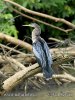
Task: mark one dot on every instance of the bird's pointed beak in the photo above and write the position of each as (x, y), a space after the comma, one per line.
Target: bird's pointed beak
(27, 25)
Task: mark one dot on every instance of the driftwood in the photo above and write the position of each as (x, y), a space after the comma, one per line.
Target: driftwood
(56, 40)
(66, 54)
(65, 76)
(25, 58)
(12, 49)
(62, 55)
(68, 50)
(15, 41)
(2, 77)
(12, 81)
(69, 69)
(19, 76)
(41, 14)
(17, 65)
(28, 58)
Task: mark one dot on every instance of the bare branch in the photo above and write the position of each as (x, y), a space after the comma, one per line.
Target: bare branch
(27, 72)
(41, 14)
(69, 50)
(64, 76)
(12, 49)
(19, 76)
(37, 20)
(15, 41)
(56, 40)
(24, 74)
(15, 64)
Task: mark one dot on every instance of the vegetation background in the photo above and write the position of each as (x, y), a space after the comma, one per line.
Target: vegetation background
(11, 23)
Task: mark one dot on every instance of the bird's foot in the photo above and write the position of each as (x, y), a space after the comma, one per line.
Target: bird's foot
(48, 79)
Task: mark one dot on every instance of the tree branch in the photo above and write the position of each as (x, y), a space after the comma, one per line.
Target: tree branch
(18, 66)
(29, 71)
(19, 76)
(65, 76)
(56, 40)
(15, 41)
(12, 81)
(58, 51)
(34, 19)
(41, 14)
(69, 51)
(12, 49)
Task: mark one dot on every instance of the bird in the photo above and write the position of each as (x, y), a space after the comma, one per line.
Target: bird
(41, 51)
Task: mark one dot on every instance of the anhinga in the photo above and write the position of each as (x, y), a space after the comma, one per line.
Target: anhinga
(41, 51)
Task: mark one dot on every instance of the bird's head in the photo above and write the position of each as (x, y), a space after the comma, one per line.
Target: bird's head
(36, 32)
(34, 25)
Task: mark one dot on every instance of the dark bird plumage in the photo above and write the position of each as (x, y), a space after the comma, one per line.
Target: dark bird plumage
(41, 51)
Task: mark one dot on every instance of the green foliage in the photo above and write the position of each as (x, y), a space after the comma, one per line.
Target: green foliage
(58, 8)
(6, 21)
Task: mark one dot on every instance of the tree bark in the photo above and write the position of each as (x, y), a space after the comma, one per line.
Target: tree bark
(11, 82)
(65, 76)
(18, 66)
(15, 41)
(14, 80)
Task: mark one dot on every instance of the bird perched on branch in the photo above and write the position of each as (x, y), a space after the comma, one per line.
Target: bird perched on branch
(41, 51)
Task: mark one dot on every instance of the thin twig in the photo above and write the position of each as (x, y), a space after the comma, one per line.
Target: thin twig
(14, 50)
(18, 66)
(9, 52)
(4, 52)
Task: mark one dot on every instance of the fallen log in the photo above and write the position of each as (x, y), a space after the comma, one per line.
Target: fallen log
(69, 69)
(29, 58)
(14, 80)
(11, 49)
(11, 82)
(16, 41)
(65, 76)
(2, 77)
(58, 51)
(62, 52)
(18, 66)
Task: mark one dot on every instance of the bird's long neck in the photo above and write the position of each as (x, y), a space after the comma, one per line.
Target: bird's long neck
(36, 34)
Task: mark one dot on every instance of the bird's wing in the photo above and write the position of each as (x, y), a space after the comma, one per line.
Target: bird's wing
(39, 54)
(47, 50)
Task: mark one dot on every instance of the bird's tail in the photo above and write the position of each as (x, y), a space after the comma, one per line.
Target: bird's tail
(48, 72)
